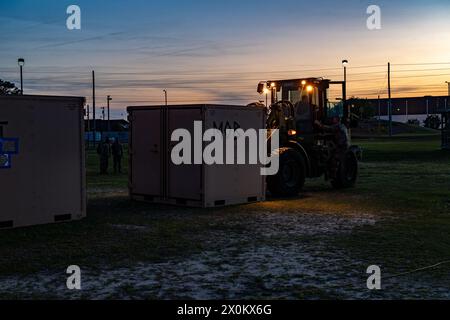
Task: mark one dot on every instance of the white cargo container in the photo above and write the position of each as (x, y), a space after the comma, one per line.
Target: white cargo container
(153, 175)
(42, 165)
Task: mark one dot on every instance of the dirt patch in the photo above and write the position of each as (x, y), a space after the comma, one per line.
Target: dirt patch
(253, 252)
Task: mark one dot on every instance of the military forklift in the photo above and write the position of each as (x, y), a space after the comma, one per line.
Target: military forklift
(313, 120)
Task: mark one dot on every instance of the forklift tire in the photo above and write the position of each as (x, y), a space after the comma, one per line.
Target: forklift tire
(290, 179)
(347, 173)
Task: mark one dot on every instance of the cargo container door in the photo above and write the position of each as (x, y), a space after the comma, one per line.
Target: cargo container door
(184, 181)
(146, 152)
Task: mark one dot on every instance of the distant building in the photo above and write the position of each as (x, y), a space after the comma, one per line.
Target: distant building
(102, 125)
(404, 109)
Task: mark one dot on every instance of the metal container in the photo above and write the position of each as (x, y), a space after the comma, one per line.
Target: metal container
(155, 178)
(42, 173)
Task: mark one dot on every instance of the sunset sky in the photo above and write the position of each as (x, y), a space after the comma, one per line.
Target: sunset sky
(217, 51)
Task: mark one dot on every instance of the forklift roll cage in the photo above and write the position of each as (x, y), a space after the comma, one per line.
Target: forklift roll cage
(311, 86)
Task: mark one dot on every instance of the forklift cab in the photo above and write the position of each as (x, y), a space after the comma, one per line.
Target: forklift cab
(312, 99)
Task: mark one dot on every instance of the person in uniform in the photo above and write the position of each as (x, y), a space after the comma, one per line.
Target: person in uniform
(341, 138)
(104, 152)
(117, 152)
(340, 131)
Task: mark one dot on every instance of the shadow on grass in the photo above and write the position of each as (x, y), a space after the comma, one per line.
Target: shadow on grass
(116, 231)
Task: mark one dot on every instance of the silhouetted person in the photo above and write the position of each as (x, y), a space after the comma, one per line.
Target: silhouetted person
(303, 107)
(117, 152)
(339, 130)
(104, 152)
(303, 115)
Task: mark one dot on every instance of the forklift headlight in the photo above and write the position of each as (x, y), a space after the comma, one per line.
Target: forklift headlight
(292, 132)
(309, 88)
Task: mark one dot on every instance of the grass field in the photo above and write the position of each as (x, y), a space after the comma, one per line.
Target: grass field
(396, 217)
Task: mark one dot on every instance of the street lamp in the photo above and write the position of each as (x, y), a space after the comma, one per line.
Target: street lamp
(345, 64)
(21, 63)
(108, 99)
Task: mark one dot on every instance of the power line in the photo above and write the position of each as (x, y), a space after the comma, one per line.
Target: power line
(195, 72)
(107, 82)
(421, 64)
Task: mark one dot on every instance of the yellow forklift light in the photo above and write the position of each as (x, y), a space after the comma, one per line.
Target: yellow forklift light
(266, 91)
(292, 132)
(303, 82)
(309, 88)
(273, 84)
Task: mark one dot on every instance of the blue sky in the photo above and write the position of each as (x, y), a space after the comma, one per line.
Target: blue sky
(217, 51)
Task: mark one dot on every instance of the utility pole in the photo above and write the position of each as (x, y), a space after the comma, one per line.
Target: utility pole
(94, 130)
(390, 100)
(108, 99)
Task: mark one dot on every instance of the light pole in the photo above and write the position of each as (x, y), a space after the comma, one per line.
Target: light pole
(21, 63)
(165, 96)
(344, 91)
(108, 99)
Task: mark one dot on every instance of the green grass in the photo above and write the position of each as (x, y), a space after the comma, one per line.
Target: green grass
(405, 182)
(408, 183)
(96, 181)
(374, 129)
(100, 238)
(406, 175)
